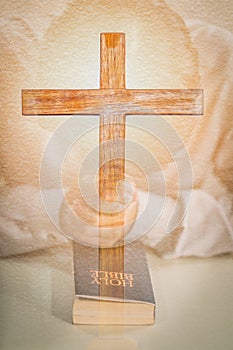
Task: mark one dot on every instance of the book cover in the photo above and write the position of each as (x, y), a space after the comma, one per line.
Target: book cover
(99, 292)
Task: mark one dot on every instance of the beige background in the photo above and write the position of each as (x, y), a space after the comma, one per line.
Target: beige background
(215, 12)
(194, 296)
(219, 13)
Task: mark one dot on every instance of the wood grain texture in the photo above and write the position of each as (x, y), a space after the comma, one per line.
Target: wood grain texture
(112, 128)
(112, 101)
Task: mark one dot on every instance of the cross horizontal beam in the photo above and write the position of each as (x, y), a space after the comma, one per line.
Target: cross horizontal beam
(113, 101)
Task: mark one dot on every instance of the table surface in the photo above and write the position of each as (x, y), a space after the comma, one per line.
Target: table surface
(194, 306)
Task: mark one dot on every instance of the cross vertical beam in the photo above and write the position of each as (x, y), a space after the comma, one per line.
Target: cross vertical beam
(111, 154)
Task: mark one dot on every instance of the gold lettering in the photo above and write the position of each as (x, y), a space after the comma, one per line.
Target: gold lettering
(103, 274)
(113, 278)
(94, 273)
(128, 276)
(118, 282)
(127, 283)
(116, 275)
(105, 281)
(95, 280)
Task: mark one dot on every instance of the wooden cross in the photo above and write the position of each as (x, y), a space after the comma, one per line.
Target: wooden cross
(112, 102)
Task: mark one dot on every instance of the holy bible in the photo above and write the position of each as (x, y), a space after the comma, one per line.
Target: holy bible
(112, 297)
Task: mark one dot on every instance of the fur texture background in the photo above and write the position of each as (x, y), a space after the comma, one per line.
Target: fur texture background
(56, 45)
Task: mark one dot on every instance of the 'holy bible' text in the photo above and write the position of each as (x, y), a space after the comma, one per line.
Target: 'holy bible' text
(112, 278)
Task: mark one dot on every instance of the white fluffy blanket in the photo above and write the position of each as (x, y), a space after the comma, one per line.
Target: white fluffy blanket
(207, 226)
